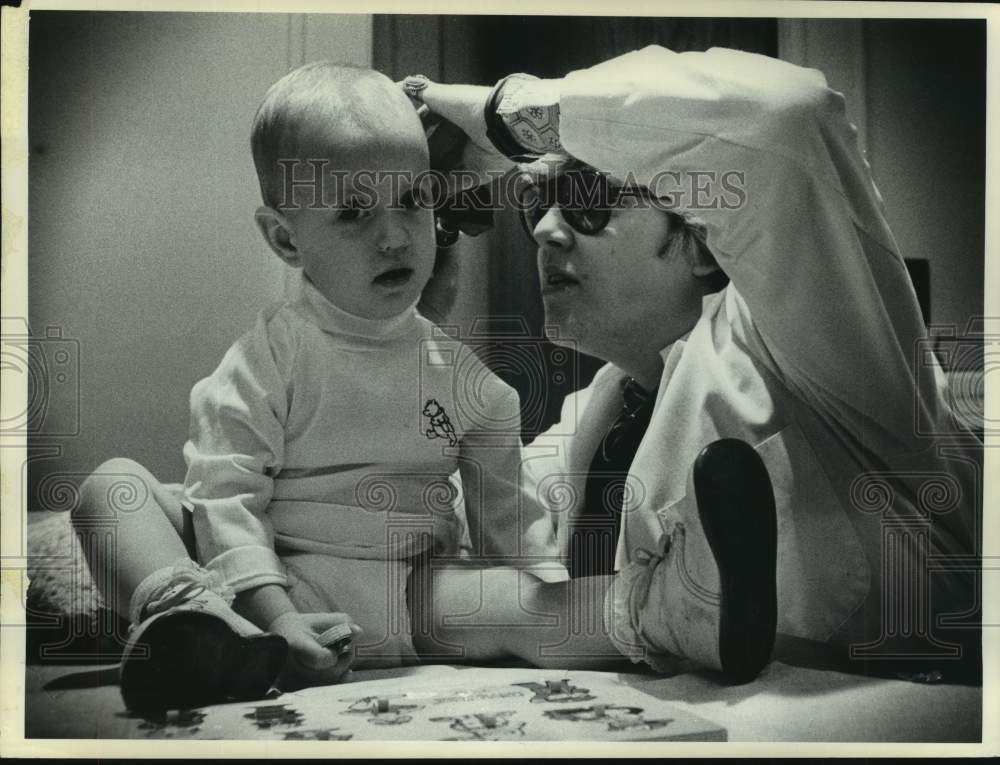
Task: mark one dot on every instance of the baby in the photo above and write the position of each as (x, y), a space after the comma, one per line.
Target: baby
(323, 449)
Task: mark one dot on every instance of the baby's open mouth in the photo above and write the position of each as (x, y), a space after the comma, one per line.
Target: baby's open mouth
(394, 277)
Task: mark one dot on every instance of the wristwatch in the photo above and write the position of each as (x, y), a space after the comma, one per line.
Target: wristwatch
(522, 118)
(497, 129)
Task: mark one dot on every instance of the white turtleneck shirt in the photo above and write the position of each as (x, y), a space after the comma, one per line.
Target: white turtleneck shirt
(321, 431)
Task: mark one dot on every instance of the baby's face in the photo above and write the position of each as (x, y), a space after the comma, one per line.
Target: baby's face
(369, 247)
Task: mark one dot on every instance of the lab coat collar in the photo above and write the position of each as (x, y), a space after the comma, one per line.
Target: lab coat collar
(671, 353)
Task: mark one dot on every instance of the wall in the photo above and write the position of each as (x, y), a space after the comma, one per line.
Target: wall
(142, 246)
(917, 91)
(927, 143)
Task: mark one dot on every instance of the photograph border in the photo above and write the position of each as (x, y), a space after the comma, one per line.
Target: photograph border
(13, 295)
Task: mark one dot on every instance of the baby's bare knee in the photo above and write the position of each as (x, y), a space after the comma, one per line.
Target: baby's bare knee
(117, 485)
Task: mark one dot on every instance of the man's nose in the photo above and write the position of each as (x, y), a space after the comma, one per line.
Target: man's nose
(552, 230)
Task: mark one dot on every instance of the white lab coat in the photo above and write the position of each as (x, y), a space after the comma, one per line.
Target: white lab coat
(813, 354)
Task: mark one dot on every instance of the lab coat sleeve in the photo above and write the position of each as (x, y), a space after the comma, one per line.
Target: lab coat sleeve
(236, 447)
(796, 221)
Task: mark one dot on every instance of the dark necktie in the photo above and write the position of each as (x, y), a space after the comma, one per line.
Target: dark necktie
(594, 534)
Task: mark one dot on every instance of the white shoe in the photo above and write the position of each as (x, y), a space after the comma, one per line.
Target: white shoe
(709, 593)
(188, 648)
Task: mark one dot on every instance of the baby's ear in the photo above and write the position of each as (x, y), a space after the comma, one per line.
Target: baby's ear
(276, 230)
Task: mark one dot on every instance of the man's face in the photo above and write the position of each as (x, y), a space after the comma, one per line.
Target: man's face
(370, 247)
(602, 289)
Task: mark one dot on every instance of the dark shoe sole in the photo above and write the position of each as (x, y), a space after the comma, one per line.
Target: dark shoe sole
(194, 659)
(736, 507)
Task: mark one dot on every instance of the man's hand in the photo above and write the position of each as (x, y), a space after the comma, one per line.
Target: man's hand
(309, 662)
(463, 107)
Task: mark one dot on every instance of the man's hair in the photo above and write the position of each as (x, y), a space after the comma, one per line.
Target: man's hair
(687, 235)
(318, 99)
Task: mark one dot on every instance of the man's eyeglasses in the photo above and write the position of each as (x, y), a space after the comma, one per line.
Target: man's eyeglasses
(585, 198)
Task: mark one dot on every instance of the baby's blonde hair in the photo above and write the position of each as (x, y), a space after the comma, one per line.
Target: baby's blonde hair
(321, 98)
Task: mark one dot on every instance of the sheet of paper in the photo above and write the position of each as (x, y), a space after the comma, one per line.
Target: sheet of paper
(519, 705)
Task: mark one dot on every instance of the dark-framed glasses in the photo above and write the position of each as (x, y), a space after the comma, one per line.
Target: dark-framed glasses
(585, 198)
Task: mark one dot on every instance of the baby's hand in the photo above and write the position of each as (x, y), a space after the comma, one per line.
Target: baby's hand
(313, 657)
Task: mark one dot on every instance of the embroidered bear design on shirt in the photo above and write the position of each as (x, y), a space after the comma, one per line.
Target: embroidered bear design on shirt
(440, 424)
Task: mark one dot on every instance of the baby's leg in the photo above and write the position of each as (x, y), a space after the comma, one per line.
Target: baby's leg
(469, 614)
(187, 647)
(372, 592)
(129, 526)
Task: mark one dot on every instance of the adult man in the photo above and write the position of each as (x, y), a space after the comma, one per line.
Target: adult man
(811, 354)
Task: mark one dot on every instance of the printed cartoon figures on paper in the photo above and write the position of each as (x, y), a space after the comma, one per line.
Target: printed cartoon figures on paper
(493, 726)
(381, 710)
(186, 721)
(615, 716)
(272, 715)
(556, 691)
